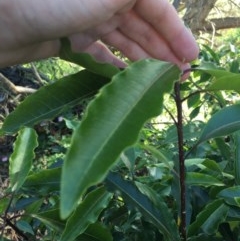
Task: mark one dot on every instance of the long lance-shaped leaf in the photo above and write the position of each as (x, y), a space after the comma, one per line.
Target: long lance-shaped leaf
(51, 100)
(224, 122)
(44, 181)
(51, 218)
(87, 61)
(194, 178)
(86, 213)
(151, 206)
(213, 70)
(96, 232)
(231, 195)
(224, 80)
(210, 218)
(166, 216)
(21, 159)
(230, 82)
(112, 123)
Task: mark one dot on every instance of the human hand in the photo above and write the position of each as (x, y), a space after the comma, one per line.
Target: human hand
(138, 28)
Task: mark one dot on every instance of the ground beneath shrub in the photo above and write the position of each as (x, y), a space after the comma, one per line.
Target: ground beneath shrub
(18, 76)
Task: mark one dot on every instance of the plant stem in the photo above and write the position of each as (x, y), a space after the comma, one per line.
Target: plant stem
(181, 160)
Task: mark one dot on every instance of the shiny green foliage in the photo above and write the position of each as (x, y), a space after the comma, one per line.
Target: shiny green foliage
(124, 107)
(22, 157)
(97, 157)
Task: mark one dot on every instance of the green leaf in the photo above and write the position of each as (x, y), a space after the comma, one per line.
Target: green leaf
(231, 195)
(32, 208)
(237, 158)
(24, 226)
(194, 178)
(209, 219)
(149, 204)
(4, 202)
(111, 124)
(210, 226)
(212, 53)
(44, 181)
(87, 61)
(159, 155)
(228, 82)
(194, 100)
(4, 239)
(194, 112)
(96, 232)
(224, 80)
(204, 237)
(86, 213)
(224, 122)
(22, 156)
(49, 101)
(166, 216)
(212, 69)
(235, 65)
(51, 218)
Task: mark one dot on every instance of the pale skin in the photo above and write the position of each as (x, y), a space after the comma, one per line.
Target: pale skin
(31, 30)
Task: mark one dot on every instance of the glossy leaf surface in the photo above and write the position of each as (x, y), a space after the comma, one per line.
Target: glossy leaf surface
(194, 178)
(150, 205)
(22, 157)
(209, 219)
(112, 123)
(224, 122)
(44, 181)
(51, 218)
(86, 213)
(231, 195)
(51, 100)
(224, 80)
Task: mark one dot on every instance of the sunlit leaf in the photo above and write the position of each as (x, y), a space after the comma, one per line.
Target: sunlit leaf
(212, 69)
(112, 123)
(194, 178)
(51, 100)
(22, 157)
(224, 122)
(229, 82)
(224, 80)
(86, 213)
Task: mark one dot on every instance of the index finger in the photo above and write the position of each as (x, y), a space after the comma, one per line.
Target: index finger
(164, 18)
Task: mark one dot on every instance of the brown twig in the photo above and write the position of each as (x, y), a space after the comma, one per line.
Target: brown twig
(7, 221)
(37, 75)
(13, 89)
